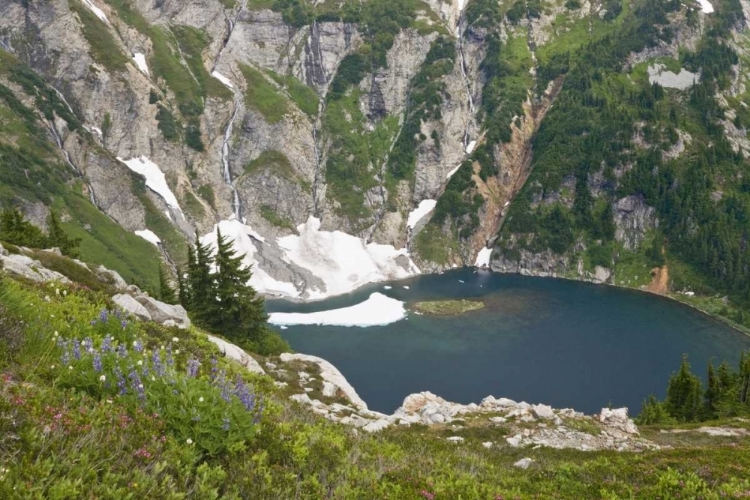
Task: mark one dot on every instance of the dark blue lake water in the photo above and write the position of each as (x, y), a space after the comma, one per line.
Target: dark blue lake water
(558, 342)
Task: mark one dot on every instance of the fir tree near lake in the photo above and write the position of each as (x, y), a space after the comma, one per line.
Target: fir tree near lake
(215, 291)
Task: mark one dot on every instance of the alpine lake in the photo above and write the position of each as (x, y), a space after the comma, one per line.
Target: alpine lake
(564, 343)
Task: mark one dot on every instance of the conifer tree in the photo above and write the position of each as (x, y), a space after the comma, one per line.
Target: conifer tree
(713, 392)
(242, 313)
(684, 394)
(58, 238)
(166, 292)
(14, 228)
(201, 284)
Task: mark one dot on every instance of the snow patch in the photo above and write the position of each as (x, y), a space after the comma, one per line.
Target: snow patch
(658, 73)
(241, 237)
(342, 261)
(376, 310)
(706, 6)
(223, 79)
(452, 172)
(155, 179)
(149, 236)
(471, 147)
(140, 61)
(96, 10)
(483, 259)
(424, 208)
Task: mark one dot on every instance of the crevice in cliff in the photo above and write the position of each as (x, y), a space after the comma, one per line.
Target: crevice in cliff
(460, 30)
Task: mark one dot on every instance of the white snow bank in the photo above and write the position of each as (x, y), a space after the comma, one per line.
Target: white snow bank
(342, 261)
(155, 179)
(149, 236)
(450, 174)
(658, 73)
(241, 237)
(424, 208)
(706, 6)
(471, 147)
(140, 61)
(223, 79)
(483, 259)
(377, 310)
(96, 10)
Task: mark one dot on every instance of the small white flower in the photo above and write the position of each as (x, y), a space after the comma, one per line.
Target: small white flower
(52, 367)
(189, 441)
(91, 350)
(135, 343)
(201, 399)
(65, 293)
(46, 297)
(162, 348)
(55, 334)
(140, 362)
(102, 378)
(51, 315)
(70, 368)
(153, 379)
(175, 339)
(140, 386)
(177, 351)
(57, 291)
(109, 401)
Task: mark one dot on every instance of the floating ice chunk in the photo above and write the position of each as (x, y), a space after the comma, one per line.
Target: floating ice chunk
(424, 208)
(706, 6)
(386, 287)
(140, 61)
(471, 147)
(483, 258)
(96, 10)
(149, 236)
(342, 261)
(155, 179)
(284, 327)
(405, 286)
(223, 79)
(376, 310)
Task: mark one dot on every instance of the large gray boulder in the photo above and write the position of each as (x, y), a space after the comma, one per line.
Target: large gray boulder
(163, 313)
(132, 306)
(31, 269)
(236, 354)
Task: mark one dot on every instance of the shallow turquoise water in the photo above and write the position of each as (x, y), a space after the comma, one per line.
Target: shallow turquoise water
(558, 342)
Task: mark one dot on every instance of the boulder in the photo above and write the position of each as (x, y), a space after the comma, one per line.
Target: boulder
(161, 312)
(329, 373)
(543, 412)
(31, 269)
(236, 354)
(455, 439)
(376, 426)
(514, 441)
(618, 419)
(487, 444)
(131, 306)
(112, 277)
(524, 463)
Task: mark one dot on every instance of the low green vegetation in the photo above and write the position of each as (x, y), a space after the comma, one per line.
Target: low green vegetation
(191, 424)
(272, 216)
(15, 229)
(262, 96)
(447, 307)
(303, 96)
(433, 245)
(102, 45)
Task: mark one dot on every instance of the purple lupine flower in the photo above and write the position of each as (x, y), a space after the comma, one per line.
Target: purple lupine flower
(87, 344)
(246, 397)
(157, 364)
(137, 384)
(124, 324)
(97, 363)
(103, 315)
(225, 426)
(122, 351)
(214, 367)
(65, 356)
(118, 314)
(121, 384)
(138, 346)
(258, 412)
(76, 349)
(107, 344)
(192, 367)
(145, 371)
(170, 359)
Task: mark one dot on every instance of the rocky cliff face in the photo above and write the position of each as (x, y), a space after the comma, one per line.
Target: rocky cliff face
(271, 115)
